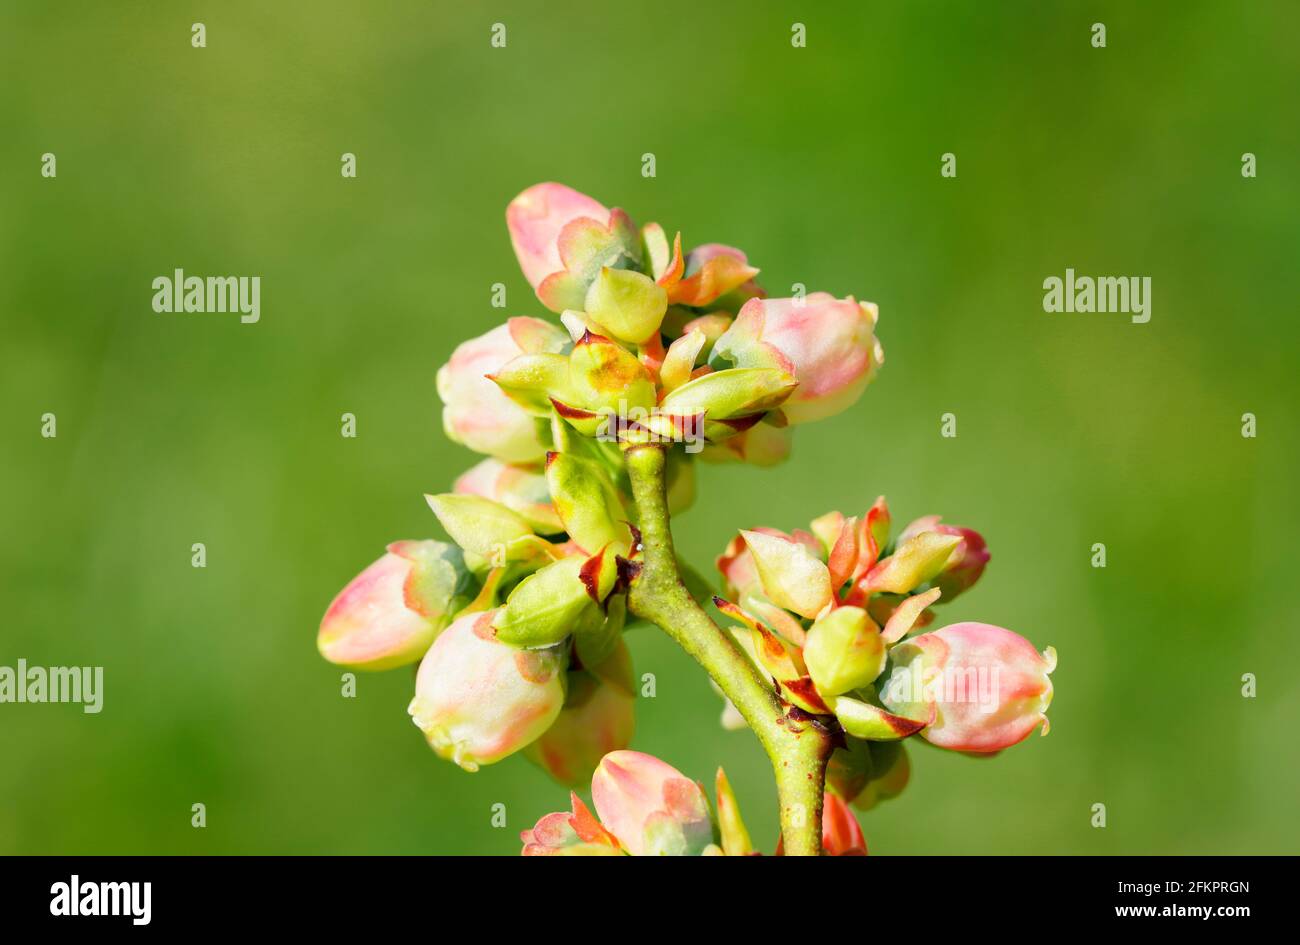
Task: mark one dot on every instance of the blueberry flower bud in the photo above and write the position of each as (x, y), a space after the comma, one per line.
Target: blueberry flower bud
(537, 217)
(563, 239)
(478, 700)
(989, 687)
(651, 807)
(828, 344)
(390, 613)
(475, 411)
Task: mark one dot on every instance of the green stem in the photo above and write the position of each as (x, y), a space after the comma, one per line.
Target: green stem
(797, 748)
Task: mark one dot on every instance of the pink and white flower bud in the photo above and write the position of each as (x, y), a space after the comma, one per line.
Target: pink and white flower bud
(651, 807)
(389, 614)
(476, 413)
(478, 700)
(828, 344)
(989, 686)
(535, 219)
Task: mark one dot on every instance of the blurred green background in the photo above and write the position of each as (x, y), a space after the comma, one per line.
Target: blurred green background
(823, 164)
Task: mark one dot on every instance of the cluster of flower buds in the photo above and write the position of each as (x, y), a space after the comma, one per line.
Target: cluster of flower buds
(827, 613)
(519, 636)
(657, 345)
(518, 625)
(645, 807)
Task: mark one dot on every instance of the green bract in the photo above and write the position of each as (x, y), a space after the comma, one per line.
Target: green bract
(549, 605)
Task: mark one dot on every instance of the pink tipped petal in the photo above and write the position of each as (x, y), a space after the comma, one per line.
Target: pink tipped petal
(873, 536)
(536, 218)
(369, 626)
(736, 565)
(671, 274)
(843, 557)
(714, 270)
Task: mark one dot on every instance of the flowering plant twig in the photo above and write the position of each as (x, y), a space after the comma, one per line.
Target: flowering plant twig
(591, 432)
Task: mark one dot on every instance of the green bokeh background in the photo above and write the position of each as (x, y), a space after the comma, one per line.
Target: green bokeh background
(823, 163)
